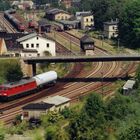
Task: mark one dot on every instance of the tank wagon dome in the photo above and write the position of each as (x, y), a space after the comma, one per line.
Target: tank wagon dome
(46, 77)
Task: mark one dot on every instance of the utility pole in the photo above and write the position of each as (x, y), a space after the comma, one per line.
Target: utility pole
(70, 45)
(102, 82)
(118, 44)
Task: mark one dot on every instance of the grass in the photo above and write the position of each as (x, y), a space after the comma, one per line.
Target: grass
(65, 42)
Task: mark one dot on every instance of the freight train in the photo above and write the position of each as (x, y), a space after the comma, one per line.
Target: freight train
(27, 86)
(15, 22)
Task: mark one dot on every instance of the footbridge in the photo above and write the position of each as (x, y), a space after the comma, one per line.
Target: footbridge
(72, 58)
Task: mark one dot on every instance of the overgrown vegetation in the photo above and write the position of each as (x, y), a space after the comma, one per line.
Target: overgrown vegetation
(9, 70)
(61, 68)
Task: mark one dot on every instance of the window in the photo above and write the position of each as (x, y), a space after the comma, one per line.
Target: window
(37, 38)
(87, 19)
(27, 45)
(48, 45)
(91, 19)
(32, 45)
(113, 27)
(25, 114)
(37, 45)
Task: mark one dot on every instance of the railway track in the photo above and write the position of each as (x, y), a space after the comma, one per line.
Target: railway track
(7, 26)
(72, 91)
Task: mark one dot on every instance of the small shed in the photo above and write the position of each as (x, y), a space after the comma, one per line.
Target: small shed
(87, 45)
(128, 86)
(34, 110)
(59, 102)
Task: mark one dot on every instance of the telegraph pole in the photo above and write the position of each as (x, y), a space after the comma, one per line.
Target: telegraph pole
(102, 82)
(118, 44)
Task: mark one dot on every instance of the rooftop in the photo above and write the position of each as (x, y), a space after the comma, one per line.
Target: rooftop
(38, 106)
(111, 23)
(27, 37)
(86, 39)
(129, 84)
(57, 100)
(55, 11)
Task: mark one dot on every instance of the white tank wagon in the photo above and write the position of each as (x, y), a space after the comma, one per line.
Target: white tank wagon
(47, 77)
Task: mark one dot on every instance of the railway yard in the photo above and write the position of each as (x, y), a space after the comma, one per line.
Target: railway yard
(72, 90)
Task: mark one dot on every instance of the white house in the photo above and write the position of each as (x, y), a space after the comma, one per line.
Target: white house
(111, 29)
(36, 45)
(86, 19)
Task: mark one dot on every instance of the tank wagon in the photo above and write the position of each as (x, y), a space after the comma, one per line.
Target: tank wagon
(27, 86)
(15, 22)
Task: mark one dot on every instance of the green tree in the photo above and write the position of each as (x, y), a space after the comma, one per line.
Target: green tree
(119, 107)
(94, 105)
(129, 24)
(90, 123)
(14, 73)
(133, 133)
(55, 133)
(2, 131)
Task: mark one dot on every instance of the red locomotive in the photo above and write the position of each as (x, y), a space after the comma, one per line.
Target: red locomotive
(26, 86)
(15, 22)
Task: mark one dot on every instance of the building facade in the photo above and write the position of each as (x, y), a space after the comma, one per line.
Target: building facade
(35, 110)
(86, 18)
(111, 29)
(36, 45)
(57, 14)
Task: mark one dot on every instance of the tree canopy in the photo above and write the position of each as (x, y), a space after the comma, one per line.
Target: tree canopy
(14, 73)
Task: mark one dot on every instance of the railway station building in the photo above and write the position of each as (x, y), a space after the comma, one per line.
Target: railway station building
(36, 45)
(26, 45)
